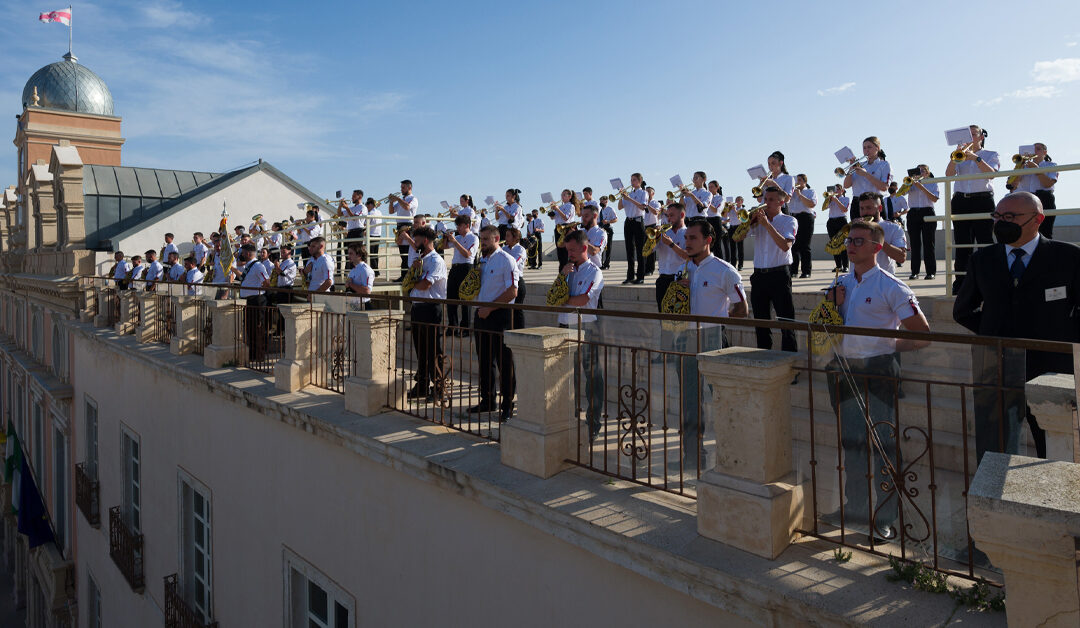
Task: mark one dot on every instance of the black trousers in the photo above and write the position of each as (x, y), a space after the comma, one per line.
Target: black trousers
(801, 250)
(833, 226)
(256, 326)
(634, 234)
(519, 315)
(453, 287)
(971, 231)
(738, 252)
(494, 354)
(1046, 229)
(373, 257)
(773, 288)
(539, 249)
(605, 259)
(564, 257)
(427, 343)
(502, 231)
(662, 283)
(716, 248)
(921, 234)
(403, 249)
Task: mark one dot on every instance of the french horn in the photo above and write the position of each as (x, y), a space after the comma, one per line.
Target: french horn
(559, 292)
(836, 245)
(411, 277)
(652, 238)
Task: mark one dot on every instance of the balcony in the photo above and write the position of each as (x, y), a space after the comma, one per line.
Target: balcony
(87, 494)
(126, 549)
(177, 612)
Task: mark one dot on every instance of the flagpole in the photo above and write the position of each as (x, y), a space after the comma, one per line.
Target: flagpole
(71, 18)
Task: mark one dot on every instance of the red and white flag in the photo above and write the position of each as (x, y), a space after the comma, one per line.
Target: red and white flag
(63, 16)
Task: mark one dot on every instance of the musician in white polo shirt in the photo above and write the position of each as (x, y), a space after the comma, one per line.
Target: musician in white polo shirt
(498, 284)
(671, 251)
(770, 284)
(361, 278)
(698, 200)
(466, 244)
(426, 317)
(715, 290)
(803, 206)
(253, 277)
(975, 196)
(286, 278)
(193, 277)
(894, 250)
(320, 270)
(586, 283)
(354, 216)
(154, 270)
(518, 252)
(634, 203)
(866, 379)
(403, 207)
(606, 219)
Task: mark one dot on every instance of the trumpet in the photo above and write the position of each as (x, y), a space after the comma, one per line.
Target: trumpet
(905, 187)
(564, 230)
(759, 189)
(745, 216)
(677, 192)
(825, 200)
(384, 199)
(617, 195)
(843, 171)
(958, 155)
(652, 238)
(1018, 162)
(445, 214)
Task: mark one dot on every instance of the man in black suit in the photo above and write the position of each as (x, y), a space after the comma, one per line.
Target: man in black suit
(1025, 286)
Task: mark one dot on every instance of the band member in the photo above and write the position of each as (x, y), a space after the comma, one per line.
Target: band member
(651, 218)
(715, 290)
(154, 270)
(874, 175)
(498, 284)
(921, 198)
(770, 284)
(276, 237)
(465, 244)
(864, 380)
(200, 251)
(565, 213)
(484, 220)
(404, 208)
(361, 277)
(253, 277)
(778, 177)
(587, 199)
(1041, 185)
(286, 270)
(354, 216)
(974, 196)
(838, 211)
(735, 251)
(803, 206)
(169, 247)
(309, 230)
(586, 283)
(595, 235)
(536, 224)
(607, 219)
(419, 220)
(120, 271)
(895, 205)
(320, 270)
(427, 317)
(635, 204)
(671, 250)
(696, 201)
(894, 249)
(374, 226)
(176, 268)
(516, 251)
(467, 208)
(508, 215)
(1037, 298)
(713, 215)
(192, 276)
(135, 274)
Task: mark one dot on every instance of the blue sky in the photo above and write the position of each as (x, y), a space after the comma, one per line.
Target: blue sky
(481, 96)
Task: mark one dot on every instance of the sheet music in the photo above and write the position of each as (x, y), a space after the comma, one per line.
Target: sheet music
(676, 181)
(616, 184)
(729, 199)
(955, 137)
(490, 200)
(444, 204)
(337, 194)
(844, 155)
(757, 172)
(1027, 149)
(547, 198)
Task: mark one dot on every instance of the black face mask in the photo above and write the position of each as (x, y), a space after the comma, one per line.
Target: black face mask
(1008, 232)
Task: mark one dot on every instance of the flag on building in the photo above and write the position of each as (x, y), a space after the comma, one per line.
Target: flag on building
(63, 16)
(33, 518)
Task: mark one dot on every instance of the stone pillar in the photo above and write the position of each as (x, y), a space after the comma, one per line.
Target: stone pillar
(1024, 513)
(293, 371)
(1052, 399)
(90, 302)
(538, 440)
(183, 341)
(222, 349)
(40, 186)
(751, 499)
(148, 320)
(66, 166)
(128, 312)
(10, 203)
(374, 338)
(104, 297)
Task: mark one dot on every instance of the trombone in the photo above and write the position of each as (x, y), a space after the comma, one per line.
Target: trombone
(843, 171)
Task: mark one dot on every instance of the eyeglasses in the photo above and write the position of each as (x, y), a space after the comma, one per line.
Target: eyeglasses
(1008, 216)
(856, 241)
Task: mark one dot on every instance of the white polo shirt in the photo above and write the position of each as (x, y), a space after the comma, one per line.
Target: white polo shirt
(322, 268)
(255, 274)
(355, 214)
(471, 242)
(565, 208)
(836, 212)
(667, 261)
(917, 198)
(795, 206)
(286, 273)
(170, 248)
(879, 301)
(434, 270)
(154, 271)
(633, 211)
(498, 272)
(970, 167)
(1030, 182)
(176, 272)
(597, 237)
(200, 250)
(766, 253)
(586, 279)
(660, 216)
(122, 268)
(899, 204)
(374, 225)
(518, 253)
(714, 205)
(608, 213)
(714, 286)
(193, 277)
(514, 211)
(879, 169)
(894, 235)
(692, 209)
(361, 274)
(137, 271)
(538, 225)
(406, 210)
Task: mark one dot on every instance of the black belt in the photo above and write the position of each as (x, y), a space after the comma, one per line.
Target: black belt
(914, 208)
(460, 264)
(974, 194)
(662, 275)
(773, 269)
(638, 219)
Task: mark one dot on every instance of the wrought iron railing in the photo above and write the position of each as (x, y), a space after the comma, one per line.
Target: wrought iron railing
(332, 356)
(204, 327)
(87, 495)
(178, 614)
(126, 549)
(164, 323)
(260, 337)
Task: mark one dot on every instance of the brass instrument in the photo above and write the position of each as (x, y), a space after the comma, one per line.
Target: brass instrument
(677, 297)
(617, 195)
(652, 238)
(440, 242)
(825, 200)
(759, 189)
(411, 277)
(445, 214)
(825, 313)
(384, 199)
(470, 285)
(843, 171)
(400, 231)
(905, 187)
(836, 245)
(677, 192)
(564, 230)
(958, 155)
(745, 216)
(1018, 163)
(559, 292)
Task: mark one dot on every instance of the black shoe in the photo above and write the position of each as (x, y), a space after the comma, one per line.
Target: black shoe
(913, 276)
(638, 281)
(795, 380)
(626, 281)
(482, 407)
(930, 276)
(739, 267)
(506, 413)
(804, 275)
(416, 393)
(881, 537)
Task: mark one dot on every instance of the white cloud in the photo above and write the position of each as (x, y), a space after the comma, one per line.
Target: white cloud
(1057, 71)
(835, 90)
(988, 103)
(1031, 91)
(167, 14)
(1071, 44)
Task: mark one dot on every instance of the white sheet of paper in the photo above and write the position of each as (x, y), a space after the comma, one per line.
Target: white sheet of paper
(547, 198)
(616, 184)
(844, 155)
(444, 204)
(729, 199)
(757, 172)
(1027, 149)
(490, 200)
(955, 137)
(676, 181)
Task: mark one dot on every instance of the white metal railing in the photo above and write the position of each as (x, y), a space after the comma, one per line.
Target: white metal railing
(948, 218)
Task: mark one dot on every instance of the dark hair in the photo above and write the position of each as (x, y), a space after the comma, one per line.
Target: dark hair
(169, 235)
(985, 134)
(515, 231)
(878, 233)
(287, 247)
(369, 201)
(149, 252)
(120, 253)
(462, 219)
(316, 240)
(719, 190)
(577, 235)
(424, 232)
(771, 188)
(358, 248)
(358, 192)
(406, 182)
(468, 200)
(707, 231)
(198, 233)
(779, 157)
(876, 142)
(136, 258)
(586, 190)
(876, 196)
(171, 253)
(638, 175)
(700, 173)
(490, 229)
(803, 178)
(190, 259)
(516, 193)
(239, 228)
(677, 205)
(930, 174)
(603, 201)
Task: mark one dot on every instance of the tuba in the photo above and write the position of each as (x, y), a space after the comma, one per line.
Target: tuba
(411, 277)
(559, 292)
(652, 238)
(677, 297)
(836, 244)
(563, 231)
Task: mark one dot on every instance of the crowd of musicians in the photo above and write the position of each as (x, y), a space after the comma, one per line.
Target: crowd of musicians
(1024, 286)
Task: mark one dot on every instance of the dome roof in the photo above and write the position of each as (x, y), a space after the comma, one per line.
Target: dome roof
(69, 86)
